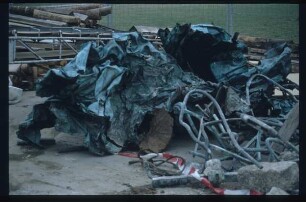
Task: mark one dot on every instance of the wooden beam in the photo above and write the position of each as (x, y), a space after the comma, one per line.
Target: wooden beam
(56, 17)
(93, 14)
(105, 10)
(22, 10)
(68, 9)
(96, 13)
(70, 5)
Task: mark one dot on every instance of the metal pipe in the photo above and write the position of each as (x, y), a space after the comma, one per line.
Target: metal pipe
(219, 124)
(67, 37)
(255, 149)
(230, 153)
(227, 128)
(250, 120)
(203, 132)
(193, 127)
(250, 142)
(63, 37)
(272, 153)
(39, 61)
(213, 129)
(258, 141)
(219, 121)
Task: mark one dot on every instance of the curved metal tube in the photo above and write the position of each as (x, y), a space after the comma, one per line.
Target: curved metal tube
(249, 82)
(227, 128)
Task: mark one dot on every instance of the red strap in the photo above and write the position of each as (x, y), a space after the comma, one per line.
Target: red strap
(208, 184)
(254, 192)
(129, 154)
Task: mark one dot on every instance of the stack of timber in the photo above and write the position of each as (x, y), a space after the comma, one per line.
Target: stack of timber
(82, 15)
(257, 47)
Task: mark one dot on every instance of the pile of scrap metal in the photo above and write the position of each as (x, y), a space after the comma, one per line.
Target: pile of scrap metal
(242, 114)
(112, 93)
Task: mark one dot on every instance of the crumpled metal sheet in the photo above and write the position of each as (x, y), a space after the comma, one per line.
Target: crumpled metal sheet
(198, 47)
(212, 54)
(105, 92)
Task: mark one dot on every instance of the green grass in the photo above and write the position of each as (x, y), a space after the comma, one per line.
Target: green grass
(260, 20)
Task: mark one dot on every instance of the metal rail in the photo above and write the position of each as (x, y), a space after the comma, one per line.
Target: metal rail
(56, 38)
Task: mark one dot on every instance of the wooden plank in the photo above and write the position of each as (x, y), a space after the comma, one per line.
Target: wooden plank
(96, 13)
(261, 51)
(35, 21)
(105, 10)
(253, 62)
(289, 127)
(264, 43)
(257, 50)
(258, 40)
(56, 17)
(254, 57)
(44, 54)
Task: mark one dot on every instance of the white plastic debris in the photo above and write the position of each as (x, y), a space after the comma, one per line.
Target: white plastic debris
(15, 94)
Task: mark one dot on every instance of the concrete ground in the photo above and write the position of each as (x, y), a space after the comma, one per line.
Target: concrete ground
(43, 172)
(48, 172)
(295, 78)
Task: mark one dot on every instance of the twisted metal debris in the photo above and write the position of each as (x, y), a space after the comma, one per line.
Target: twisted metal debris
(220, 127)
